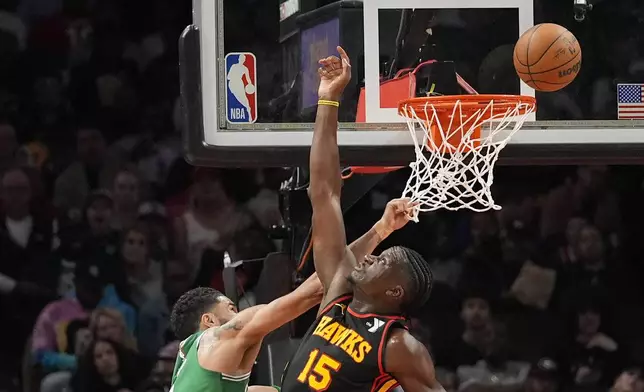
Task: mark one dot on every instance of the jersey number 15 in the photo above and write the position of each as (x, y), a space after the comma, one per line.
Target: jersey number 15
(317, 371)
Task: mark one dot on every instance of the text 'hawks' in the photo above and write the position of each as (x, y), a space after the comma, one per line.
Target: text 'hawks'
(345, 338)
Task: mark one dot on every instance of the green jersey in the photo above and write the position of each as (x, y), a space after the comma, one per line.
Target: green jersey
(189, 376)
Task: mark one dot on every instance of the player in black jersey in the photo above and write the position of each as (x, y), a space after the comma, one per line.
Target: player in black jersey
(359, 341)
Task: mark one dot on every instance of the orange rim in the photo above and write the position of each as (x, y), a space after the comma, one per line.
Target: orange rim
(438, 114)
(369, 170)
(468, 103)
(374, 169)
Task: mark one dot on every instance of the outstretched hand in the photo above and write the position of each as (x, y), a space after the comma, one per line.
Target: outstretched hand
(397, 213)
(335, 74)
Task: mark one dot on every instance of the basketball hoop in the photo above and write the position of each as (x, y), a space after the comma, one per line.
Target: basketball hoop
(457, 141)
(371, 170)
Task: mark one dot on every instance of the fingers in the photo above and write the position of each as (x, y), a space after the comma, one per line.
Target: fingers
(334, 62)
(326, 73)
(346, 63)
(404, 204)
(404, 207)
(331, 62)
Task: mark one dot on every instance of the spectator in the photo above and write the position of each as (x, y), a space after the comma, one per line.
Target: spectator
(78, 338)
(27, 269)
(91, 290)
(447, 379)
(108, 367)
(629, 380)
(591, 354)
(496, 370)
(126, 192)
(477, 338)
(8, 146)
(568, 253)
(26, 238)
(152, 215)
(106, 323)
(11, 23)
(594, 268)
(264, 206)
(481, 259)
(98, 213)
(544, 376)
(144, 275)
(164, 367)
(154, 315)
(211, 221)
(89, 172)
(93, 239)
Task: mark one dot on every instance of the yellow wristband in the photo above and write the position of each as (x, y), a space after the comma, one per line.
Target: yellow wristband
(329, 103)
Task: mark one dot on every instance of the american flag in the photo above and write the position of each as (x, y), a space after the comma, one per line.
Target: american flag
(630, 101)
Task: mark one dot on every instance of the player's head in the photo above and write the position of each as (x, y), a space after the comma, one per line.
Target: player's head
(200, 309)
(242, 59)
(399, 278)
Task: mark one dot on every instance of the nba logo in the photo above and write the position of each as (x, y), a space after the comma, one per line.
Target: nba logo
(241, 88)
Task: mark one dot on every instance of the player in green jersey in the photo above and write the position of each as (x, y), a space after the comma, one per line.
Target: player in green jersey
(219, 346)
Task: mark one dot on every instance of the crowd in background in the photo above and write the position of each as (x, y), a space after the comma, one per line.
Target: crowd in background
(104, 226)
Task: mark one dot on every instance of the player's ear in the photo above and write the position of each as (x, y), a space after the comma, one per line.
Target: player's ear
(396, 292)
(209, 320)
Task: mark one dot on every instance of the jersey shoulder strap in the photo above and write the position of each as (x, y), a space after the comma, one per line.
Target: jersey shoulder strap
(184, 348)
(385, 381)
(338, 304)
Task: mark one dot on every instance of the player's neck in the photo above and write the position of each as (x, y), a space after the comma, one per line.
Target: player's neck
(365, 305)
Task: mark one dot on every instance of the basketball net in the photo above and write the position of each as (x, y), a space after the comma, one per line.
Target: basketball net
(457, 142)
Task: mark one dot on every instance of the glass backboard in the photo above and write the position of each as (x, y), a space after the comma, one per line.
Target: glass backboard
(249, 76)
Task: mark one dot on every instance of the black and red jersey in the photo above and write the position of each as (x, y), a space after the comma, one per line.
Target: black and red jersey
(343, 351)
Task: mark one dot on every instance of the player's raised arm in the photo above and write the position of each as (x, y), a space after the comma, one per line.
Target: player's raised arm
(408, 361)
(329, 239)
(398, 213)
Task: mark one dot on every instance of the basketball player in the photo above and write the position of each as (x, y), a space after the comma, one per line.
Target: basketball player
(236, 76)
(359, 341)
(219, 346)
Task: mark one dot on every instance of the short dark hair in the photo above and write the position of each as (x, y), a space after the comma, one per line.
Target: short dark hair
(420, 279)
(188, 310)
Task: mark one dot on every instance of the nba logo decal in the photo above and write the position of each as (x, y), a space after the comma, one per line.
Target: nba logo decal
(241, 88)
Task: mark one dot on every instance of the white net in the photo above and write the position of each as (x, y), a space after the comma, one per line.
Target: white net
(454, 167)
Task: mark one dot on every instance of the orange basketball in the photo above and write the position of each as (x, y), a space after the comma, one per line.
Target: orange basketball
(547, 57)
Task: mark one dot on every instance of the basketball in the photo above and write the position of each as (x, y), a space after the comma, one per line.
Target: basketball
(547, 57)
(250, 89)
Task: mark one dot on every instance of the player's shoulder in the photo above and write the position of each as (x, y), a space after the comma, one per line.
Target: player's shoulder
(188, 343)
(400, 347)
(401, 342)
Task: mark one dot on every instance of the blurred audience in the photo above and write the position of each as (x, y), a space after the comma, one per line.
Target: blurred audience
(103, 225)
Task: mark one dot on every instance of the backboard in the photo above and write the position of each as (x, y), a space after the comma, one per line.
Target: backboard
(249, 79)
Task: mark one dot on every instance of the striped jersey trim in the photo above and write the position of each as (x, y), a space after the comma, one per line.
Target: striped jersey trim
(240, 378)
(388, 386)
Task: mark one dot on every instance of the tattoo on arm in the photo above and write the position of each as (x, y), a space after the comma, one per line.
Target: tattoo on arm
(235, 325)
(211, 337)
